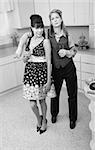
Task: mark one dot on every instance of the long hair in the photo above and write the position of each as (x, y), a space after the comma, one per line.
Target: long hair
(37, 22)
(62, 23)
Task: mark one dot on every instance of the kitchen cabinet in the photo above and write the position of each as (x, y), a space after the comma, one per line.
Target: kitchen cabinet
(67, 8)
(11, 73)
(42, 8)
(81, 12)
(74, 12)
(85, 65)
(19, 71)
(21, 13)
(7, 74)
(26, 9)
(77, 62)
(87, 68)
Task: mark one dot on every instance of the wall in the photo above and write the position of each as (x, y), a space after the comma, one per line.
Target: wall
(75, 32)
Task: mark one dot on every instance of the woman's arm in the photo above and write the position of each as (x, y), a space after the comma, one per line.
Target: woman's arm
(21, 45)
(72, 52)
(69, 53)
(47, 47)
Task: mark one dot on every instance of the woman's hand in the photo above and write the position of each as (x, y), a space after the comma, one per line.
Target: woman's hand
(16, 56)
(26, 56)
(71, 53)
(47, 86)
(62, 52)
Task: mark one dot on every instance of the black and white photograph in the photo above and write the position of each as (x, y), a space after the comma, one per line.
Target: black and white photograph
(47, 74)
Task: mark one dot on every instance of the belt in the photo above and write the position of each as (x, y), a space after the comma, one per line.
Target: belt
(37, 59)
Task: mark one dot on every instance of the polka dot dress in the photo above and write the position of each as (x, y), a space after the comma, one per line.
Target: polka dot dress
(35, 76)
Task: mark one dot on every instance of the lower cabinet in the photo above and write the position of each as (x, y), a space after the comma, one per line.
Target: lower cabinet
(19, 71)
(87, 68)
(7, 77)
(85, 65)
(11, 73)
(77, 62)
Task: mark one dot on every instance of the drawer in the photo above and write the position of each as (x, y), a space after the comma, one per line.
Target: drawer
(86, 76)
(88, 59)
(88, 68)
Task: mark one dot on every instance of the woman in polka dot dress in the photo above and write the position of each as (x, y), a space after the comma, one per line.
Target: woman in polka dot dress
(37, 74)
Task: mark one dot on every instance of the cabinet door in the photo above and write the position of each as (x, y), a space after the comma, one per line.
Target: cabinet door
(81, 12)
(19, 71)
(78, 69)
(90, 59)
(67, 8)
(85, 76)
(7, 77)
(42, 8)
(25, 8)
(87, 68)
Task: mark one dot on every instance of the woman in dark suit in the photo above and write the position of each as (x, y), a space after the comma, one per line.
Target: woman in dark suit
(63, 67)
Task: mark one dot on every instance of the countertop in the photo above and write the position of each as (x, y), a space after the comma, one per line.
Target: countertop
(90, 51)
(7, 55)
(4, 52)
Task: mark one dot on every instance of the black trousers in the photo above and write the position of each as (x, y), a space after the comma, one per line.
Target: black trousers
(68, 73)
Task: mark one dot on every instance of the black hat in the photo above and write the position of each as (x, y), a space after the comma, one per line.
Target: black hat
(36, 21)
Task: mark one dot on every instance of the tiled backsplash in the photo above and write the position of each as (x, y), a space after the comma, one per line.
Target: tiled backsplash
(75, 32)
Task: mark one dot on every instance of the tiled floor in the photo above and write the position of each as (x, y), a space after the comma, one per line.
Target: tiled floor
(18, 125)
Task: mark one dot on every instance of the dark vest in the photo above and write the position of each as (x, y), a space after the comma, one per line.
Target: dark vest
(57, 61)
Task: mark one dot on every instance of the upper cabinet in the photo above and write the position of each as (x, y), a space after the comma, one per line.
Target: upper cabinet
(26, 8)
(67, 8)
(21, 14)
(81, 12)
(42, 8)
(75, 12)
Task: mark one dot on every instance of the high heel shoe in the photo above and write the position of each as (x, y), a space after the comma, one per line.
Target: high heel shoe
(38, 128)
(42, 131)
